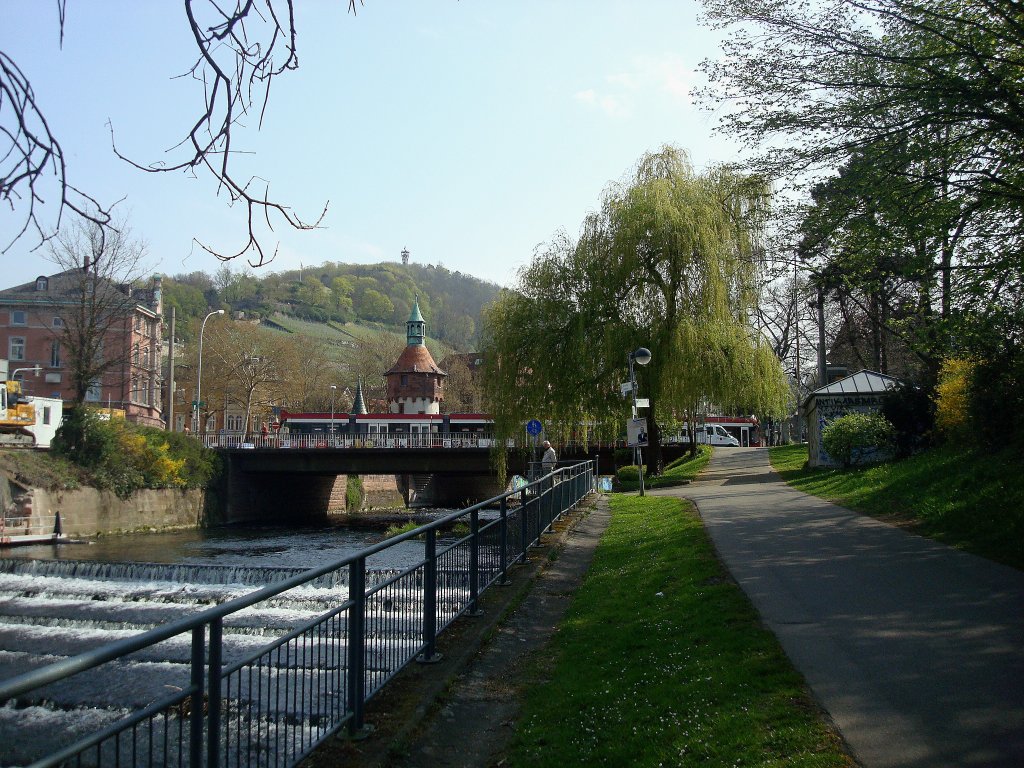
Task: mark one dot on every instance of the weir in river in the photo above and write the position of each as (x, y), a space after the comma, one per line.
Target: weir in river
(64, 604)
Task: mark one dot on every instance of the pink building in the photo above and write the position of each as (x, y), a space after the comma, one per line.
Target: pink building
(36, 319)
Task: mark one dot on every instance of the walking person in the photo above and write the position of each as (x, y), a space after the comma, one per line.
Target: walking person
(548, 460)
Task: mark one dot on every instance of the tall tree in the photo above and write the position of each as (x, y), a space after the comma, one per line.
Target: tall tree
(843, 75)
(669, 262)
(93, 296)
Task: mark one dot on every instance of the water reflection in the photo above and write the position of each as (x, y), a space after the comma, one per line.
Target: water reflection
(254, 546)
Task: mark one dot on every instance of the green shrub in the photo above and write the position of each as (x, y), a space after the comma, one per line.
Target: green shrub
(355, 494)
(858, 438)
(912, 413)
(630, 474)
(124, 457)
(397, 530)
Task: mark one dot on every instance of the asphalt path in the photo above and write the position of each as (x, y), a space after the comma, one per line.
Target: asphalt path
(915, 649)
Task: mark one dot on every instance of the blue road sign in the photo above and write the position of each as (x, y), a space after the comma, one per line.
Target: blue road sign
(534, 427)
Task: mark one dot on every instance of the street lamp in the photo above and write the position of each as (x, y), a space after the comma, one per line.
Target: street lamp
(334, 388)
(641, 356)
(199, 370)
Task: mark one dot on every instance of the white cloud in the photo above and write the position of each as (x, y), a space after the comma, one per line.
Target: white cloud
(611, 105)
(649, 77)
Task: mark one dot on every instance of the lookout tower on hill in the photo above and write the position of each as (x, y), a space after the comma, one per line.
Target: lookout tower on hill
(415, 383)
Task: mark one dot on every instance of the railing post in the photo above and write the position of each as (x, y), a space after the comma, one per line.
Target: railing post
(430, 654)
(213, 701)
(503, 538)
(474, 564)
(195, 715)
(356, 688)
(525, 504)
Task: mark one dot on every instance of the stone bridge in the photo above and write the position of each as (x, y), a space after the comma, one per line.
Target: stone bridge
(299, 484)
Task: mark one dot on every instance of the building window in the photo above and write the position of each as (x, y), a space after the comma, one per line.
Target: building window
(18, 317)
(42, 283)
(404, 379)
(58, 322)
(135, 355)
(94, 393)
(55, 354)
(16, 348)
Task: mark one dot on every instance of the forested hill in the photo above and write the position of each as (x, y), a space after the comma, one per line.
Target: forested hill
(373, 294)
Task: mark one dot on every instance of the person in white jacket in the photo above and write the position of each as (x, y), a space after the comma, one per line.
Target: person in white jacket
(548, 460)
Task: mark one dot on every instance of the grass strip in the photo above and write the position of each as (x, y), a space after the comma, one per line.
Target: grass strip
(970, 499)
(662, 661)
(679, 472)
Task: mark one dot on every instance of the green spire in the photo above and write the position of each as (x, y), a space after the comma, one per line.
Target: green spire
(415, 328)
(359, 404)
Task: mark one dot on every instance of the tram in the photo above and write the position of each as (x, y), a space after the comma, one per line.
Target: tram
(399, 430)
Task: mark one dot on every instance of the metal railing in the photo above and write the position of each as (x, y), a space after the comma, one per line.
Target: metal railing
(270, 706)
(371, 440)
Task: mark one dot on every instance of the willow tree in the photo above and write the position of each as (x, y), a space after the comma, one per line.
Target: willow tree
(669, 262)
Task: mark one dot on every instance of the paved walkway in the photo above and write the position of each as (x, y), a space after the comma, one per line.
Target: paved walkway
(916, 650)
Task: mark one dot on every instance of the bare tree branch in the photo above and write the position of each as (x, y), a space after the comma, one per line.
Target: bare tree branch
(242, 46)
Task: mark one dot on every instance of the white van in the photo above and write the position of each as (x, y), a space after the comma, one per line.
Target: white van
(717, 435)
(710, 434)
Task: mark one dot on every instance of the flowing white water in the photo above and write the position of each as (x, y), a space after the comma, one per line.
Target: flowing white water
(56, 602)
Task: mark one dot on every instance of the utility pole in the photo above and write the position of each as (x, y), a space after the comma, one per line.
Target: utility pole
(169, 424)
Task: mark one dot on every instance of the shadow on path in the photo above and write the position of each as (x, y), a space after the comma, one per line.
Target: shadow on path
(915, 649)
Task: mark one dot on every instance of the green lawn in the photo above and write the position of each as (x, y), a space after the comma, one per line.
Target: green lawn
(969, 499)
(679, 472)
(662, 661)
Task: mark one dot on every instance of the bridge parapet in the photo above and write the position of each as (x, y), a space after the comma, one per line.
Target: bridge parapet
(380, 441)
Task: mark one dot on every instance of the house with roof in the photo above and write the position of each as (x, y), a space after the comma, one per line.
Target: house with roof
(41, 320)
(862, 392)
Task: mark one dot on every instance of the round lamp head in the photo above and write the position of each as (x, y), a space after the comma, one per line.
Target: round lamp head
(642, 356)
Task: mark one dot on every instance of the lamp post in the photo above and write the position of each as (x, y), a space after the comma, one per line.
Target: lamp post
(334, 388)
(199, 371)
(641, 356)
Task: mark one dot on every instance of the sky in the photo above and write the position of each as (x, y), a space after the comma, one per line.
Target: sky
(466, 131)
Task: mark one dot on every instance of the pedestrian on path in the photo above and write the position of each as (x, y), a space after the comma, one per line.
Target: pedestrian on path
(549, 459)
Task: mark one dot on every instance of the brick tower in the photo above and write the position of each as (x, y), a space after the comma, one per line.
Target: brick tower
(415, 383)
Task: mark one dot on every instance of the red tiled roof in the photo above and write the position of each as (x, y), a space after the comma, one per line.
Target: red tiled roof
(416, 358)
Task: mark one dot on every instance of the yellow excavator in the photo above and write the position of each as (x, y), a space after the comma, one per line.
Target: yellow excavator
(17, 414)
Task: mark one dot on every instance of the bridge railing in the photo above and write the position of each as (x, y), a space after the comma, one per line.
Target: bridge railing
(327, 440)
(272, 704)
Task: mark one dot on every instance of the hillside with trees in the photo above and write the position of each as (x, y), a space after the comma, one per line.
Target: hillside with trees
(302, 341)
(340, 296)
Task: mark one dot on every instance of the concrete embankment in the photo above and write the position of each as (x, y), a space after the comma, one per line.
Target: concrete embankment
(89, 512)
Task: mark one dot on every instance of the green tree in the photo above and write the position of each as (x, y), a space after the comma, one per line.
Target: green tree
(374, 305)
(669, 262)
(907, 115)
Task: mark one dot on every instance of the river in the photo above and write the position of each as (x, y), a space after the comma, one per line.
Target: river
(250, 546)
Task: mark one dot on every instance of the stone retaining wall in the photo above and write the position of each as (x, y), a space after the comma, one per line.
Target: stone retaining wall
(88, 512)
